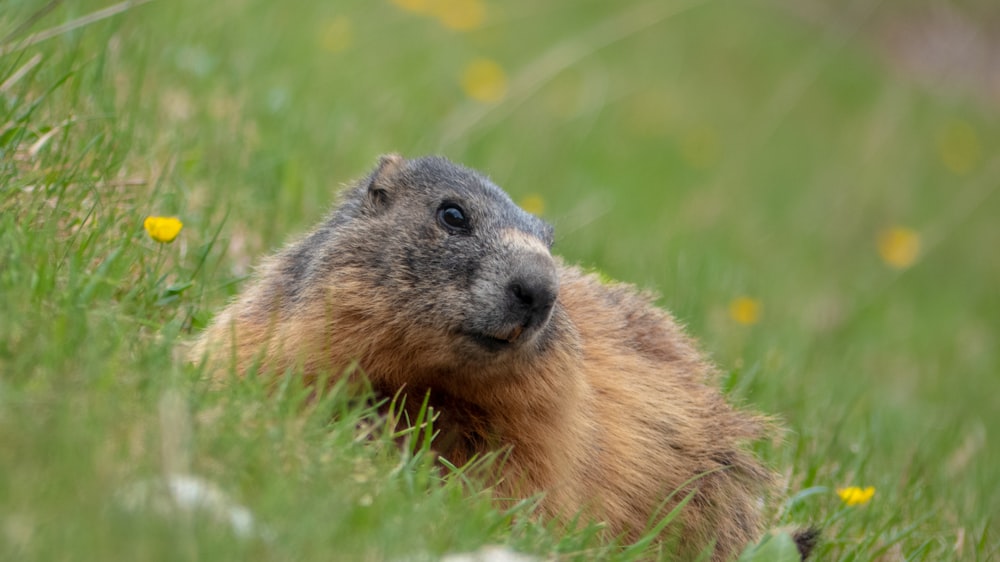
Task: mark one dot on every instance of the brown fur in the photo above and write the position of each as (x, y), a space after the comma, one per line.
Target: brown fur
(618, 411)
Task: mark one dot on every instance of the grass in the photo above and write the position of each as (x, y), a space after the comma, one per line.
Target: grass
(708, 150)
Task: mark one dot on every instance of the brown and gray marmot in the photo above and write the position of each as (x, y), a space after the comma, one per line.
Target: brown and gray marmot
(432, 279)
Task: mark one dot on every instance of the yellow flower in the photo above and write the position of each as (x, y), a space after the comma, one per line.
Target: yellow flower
(899, 246)
(853, 495)
(416, 6)
(484, 80)
(745, 310)
(533, 203)
(163, 229)
(337, 35)
(460, 15)
(959, 148)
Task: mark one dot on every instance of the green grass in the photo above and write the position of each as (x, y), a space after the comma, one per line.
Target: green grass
(705, 150)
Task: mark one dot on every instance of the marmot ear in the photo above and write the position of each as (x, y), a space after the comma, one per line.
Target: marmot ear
(380, 185)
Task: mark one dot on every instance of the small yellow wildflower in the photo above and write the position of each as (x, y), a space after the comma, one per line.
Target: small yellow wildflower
(415, 6)
(745, 310)
(899, 246)
(484, 80)
(460, 15)
(533, 203)
(163, 229)
(959, 148)
(853, 495)
(337, 35)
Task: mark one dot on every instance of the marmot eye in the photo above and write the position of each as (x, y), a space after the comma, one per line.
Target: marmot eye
(452, 218)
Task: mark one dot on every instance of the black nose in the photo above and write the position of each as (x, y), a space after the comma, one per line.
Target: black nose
(533, 295)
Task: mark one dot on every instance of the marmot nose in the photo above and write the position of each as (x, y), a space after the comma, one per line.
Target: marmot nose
(534, 293)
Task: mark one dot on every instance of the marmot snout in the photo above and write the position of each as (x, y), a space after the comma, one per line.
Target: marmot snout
(430, 278)
(513, 307)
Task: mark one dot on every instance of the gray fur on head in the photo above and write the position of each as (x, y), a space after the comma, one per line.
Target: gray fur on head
(489, 278)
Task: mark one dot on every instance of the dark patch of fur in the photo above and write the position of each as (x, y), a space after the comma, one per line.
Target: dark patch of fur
(806, 540)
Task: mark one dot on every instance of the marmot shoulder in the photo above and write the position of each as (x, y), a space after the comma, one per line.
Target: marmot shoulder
(430, 278)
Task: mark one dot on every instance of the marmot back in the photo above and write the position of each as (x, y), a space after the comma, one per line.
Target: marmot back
(432, 279)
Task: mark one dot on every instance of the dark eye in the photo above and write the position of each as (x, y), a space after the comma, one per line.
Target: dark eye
(452, 218)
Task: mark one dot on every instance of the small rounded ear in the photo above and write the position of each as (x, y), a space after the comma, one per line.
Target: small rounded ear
(380, 185)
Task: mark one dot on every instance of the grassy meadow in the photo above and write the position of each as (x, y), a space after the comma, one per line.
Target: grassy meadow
(825, 222)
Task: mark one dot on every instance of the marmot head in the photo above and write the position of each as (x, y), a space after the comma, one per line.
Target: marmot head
(461, 269)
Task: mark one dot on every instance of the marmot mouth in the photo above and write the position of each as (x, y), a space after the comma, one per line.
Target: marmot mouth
(489, 342)
(494, 343)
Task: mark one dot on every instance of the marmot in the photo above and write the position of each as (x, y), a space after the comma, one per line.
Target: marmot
(430, 278)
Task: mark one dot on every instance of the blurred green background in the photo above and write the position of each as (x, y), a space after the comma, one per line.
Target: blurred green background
(810, 186)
